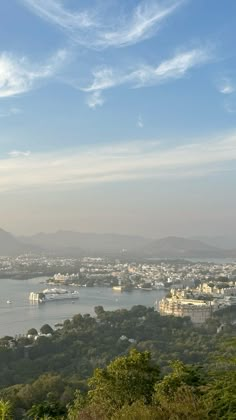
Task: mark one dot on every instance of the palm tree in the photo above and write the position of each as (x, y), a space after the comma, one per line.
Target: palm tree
(5, 410)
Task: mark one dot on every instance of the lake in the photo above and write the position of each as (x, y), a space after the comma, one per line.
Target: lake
(21, 314)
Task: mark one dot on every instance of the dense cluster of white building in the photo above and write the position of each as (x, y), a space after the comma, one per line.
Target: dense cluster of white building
(198, 310)
(201, 302)
(35, 263)
(159, 274)
(65, 278)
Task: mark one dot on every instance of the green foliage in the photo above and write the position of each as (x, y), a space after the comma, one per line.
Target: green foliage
(125, 380)
(32, 331)
(221, 397)
(183, 405)
(130, 388)
(48, 387)
(5, 340)
(138, 410)
(51, 369)
(220, 392)
(181, 375)
(5, 410)
(79, 403)
(125, 390)
(99, 311)
(49, 410)
(85, 343)
(46, 329)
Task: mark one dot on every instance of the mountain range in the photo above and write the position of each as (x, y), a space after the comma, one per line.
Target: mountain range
(10, 245)
(76, 244)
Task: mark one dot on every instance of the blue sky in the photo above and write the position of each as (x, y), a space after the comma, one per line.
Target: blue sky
(118, 105)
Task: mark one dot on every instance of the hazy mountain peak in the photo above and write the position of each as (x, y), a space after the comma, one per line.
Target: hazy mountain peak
(72, 243)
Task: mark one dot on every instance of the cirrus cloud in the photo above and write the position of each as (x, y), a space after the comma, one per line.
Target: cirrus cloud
(174, 68)
(94, 28)
(18, 75)
(145, 75)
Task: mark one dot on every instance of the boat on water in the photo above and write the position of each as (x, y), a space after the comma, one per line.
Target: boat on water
(9, 302)
(126, 288)
(146, 288)
(118, 288)
(49, 295)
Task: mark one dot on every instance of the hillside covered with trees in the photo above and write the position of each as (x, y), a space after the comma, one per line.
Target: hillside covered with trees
(120, 364)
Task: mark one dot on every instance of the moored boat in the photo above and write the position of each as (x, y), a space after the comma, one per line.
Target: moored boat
(49, 295)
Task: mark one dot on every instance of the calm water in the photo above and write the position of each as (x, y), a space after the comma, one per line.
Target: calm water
(21, 315)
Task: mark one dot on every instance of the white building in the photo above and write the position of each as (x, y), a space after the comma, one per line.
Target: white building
(197, 310)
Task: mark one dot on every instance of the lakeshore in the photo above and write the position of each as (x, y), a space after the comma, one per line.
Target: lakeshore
(17, 317)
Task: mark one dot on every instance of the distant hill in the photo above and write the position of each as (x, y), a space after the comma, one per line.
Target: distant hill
(11, 246)
(177, 247)
(76, 243)
(224, 241)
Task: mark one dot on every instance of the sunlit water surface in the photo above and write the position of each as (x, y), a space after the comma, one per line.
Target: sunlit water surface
(20, 315)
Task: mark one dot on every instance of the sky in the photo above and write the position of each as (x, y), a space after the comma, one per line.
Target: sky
(118, 116)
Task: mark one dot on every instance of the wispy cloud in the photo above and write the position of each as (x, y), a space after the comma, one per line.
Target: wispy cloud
(132, 161)
(96, 28)
(145, 75)
(226, 86)
(10, 112)
(18, 75)
(144, 21)
(230, 107)
(140, 123)
(175, 68)
(19, 153)
(95, 99)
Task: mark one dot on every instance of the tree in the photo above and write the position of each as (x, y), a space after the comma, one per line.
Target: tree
(5, 410)
(220, 393)
(99, 311)
(46, 329)
(6, 338)
(125, 380)
(220, 396)
(183, 406)
(47, 387)
(181, 375)
(52, 410)
(32, 331)
(79, 404)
